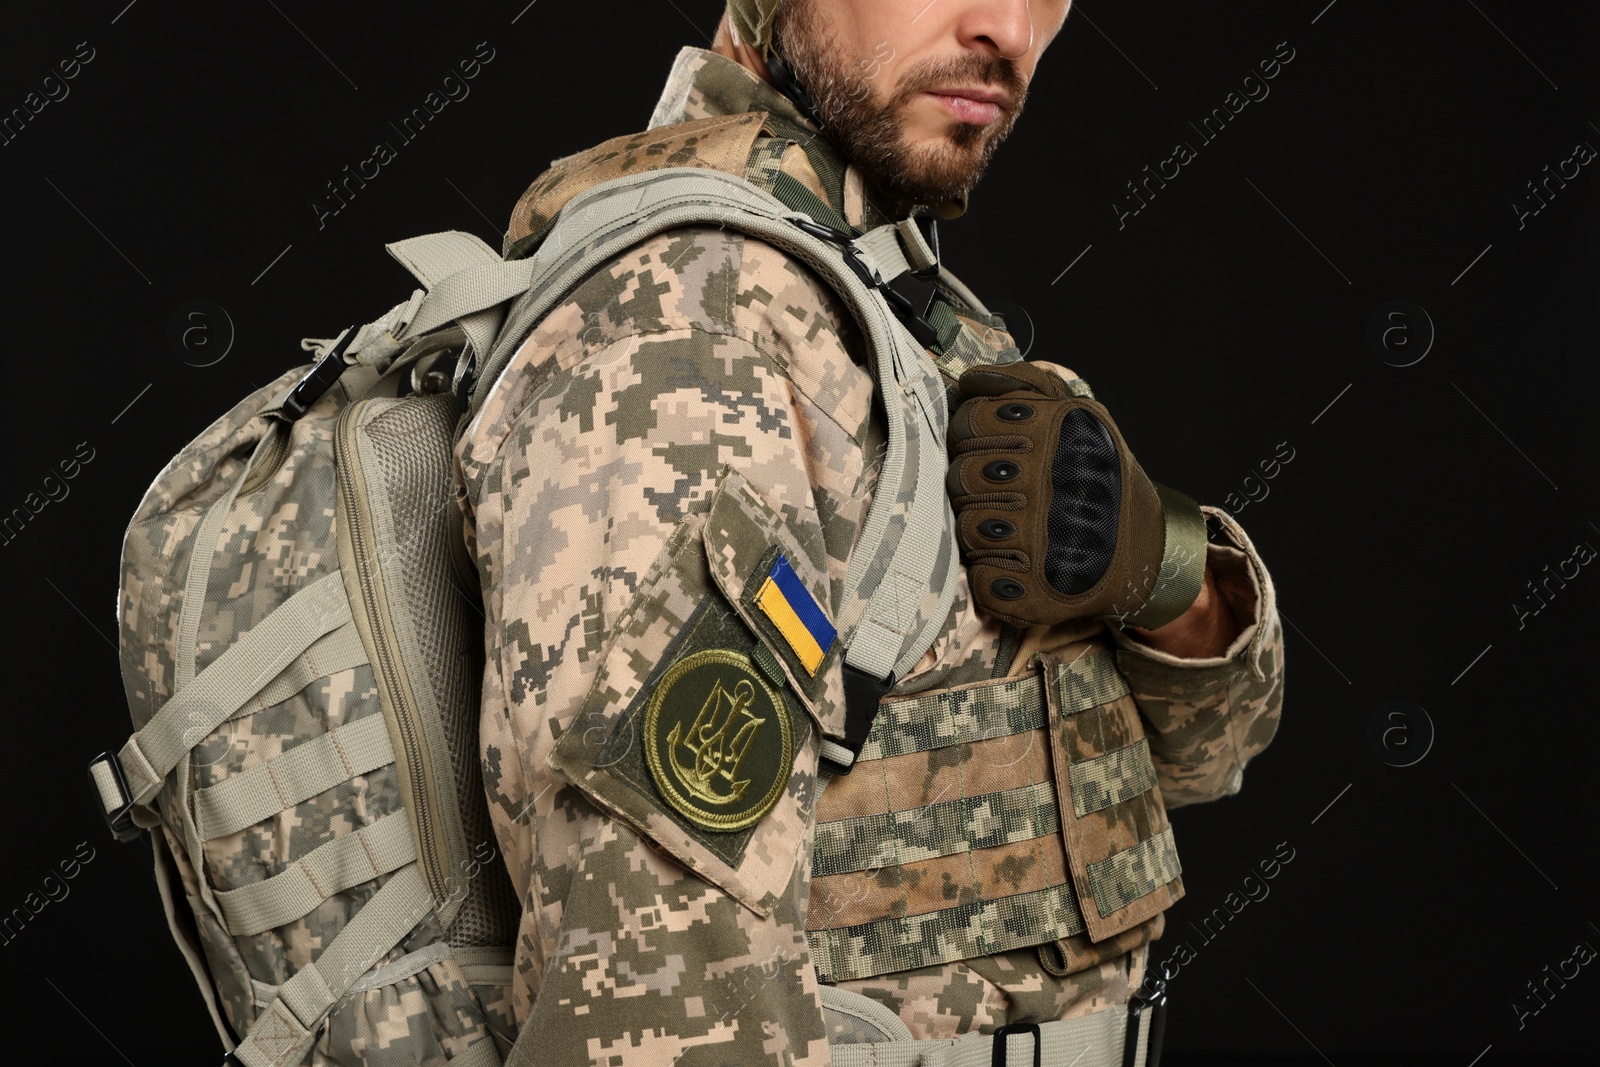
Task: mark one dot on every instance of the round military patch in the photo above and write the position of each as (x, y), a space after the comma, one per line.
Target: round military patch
(718, 741)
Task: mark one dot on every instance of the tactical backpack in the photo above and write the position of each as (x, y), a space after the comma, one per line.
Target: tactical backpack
(302, 641)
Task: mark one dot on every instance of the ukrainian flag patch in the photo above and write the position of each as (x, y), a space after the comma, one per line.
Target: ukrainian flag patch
(785, 600)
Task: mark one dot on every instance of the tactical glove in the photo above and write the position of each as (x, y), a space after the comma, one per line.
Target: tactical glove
(1055, 517)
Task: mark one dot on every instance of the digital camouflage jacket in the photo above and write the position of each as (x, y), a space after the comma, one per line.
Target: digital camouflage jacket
(694, 431)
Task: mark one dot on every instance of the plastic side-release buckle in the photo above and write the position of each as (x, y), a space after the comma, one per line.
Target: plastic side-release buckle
(862, 693)
(318, 380)
(911, 295)
(1154, 1007)
(118, 819)
(1000, 1058)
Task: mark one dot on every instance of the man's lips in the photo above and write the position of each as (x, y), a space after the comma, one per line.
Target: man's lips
(977, 106)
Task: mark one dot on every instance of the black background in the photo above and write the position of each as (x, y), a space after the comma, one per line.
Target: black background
(1228, 316)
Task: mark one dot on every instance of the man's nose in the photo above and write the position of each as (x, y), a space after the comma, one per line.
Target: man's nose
(997, 27)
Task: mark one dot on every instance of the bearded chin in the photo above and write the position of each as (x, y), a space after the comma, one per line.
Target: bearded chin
(870, 132)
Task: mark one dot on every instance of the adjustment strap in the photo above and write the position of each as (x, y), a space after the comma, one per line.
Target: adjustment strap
(227, 683)
(881, 246)
(433, 257)
(332, 867)
(286, 1030)
(792, 193)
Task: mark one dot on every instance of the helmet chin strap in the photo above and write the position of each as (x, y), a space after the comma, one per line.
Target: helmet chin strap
(784, 80)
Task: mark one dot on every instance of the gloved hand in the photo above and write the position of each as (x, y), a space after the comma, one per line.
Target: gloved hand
(1055, 518)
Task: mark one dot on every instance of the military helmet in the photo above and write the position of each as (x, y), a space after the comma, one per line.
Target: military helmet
(753, 20)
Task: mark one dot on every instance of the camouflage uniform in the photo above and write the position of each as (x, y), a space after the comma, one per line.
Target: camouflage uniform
(701, 399)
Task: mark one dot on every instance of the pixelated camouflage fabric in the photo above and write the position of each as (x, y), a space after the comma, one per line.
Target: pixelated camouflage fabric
(693, 352)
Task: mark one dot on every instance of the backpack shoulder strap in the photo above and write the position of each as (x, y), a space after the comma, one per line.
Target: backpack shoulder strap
(901, 578)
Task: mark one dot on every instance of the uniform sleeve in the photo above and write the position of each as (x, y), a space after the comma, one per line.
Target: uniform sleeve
(1209, 716)
(620, 528)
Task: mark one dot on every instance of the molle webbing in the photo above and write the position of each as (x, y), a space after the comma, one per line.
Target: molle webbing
(946, 841)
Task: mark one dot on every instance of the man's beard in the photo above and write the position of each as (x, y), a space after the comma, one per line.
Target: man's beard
(871, 134)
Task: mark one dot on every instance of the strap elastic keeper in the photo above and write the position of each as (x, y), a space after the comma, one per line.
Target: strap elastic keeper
(116, 800)
(918, 252)
(1140, 1008)
(1001, 1056)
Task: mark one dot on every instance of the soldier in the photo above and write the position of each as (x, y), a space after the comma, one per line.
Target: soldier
(663, 492)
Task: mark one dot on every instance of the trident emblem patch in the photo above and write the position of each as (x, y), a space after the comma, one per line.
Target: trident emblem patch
(718, 741)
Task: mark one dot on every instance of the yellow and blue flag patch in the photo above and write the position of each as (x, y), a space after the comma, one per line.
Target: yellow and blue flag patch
(785, 600)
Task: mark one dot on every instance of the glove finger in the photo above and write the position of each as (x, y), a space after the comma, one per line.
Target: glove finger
(1003, 378)
(993, 527)
(1017, 421)
(961, 429)
(1007, 595)
(987, 472)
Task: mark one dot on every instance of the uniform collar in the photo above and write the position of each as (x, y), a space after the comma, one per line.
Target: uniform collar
(704, 83)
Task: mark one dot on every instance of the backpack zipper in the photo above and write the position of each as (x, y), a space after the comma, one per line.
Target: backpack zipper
(411, 755)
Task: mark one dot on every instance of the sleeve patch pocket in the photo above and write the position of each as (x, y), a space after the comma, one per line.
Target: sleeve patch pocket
(695, 733)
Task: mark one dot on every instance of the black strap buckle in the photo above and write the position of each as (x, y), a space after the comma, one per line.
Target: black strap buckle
(862, 693)
(318, 380)
(466, 380)
(119, 821)
(1000, 1057)
(1140, 1006)
(909, 295)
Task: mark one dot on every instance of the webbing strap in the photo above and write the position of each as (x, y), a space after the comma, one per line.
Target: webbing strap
(335, 651)
(230, 680)
(995, 708)
(346, 860)
(302, 772)
(285, 1031)
(881, 246)
(433, 257)
(486, 285)
(483, 1054)
(920, 255)
(1115, 777)
(1086, 1041)
(202, 553)
(465, 281)
(1123, 877)
(943, 828)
